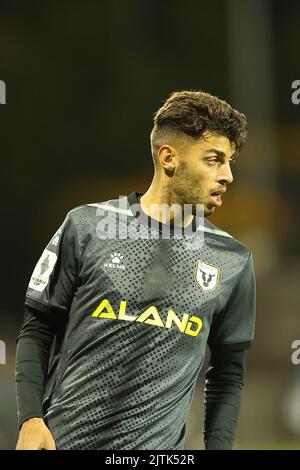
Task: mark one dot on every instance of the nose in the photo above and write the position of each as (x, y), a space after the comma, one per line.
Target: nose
(225, 174)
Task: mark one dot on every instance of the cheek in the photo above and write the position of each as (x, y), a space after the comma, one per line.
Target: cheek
(199, 178)
(204, 176)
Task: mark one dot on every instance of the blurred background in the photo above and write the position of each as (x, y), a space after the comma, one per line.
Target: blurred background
(83, 79)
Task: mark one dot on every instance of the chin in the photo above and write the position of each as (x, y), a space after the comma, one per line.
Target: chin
(208, 211)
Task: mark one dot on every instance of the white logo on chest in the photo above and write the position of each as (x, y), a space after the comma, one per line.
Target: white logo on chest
(116, 261)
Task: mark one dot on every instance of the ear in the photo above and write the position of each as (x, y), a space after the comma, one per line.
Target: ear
(168, 157)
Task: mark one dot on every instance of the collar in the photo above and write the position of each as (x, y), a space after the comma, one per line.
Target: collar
(137, 211)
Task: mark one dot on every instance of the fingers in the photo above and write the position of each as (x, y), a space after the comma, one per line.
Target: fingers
(42, 440)
(28, 444)
(49, 443)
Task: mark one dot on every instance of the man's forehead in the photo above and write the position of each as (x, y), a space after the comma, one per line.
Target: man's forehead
(220, 143)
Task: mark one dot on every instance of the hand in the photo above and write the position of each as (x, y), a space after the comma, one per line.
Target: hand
(34, 435)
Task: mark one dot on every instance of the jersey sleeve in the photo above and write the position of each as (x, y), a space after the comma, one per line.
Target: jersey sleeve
(54, 278)
(233, 327)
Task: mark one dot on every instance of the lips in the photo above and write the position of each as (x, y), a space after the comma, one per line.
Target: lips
(216, 197)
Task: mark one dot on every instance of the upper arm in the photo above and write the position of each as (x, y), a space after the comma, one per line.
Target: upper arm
(233, 327)
(53, 282)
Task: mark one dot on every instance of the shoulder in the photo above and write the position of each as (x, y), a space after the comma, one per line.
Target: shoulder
(96, 208)
(86, 216)
(226, 242)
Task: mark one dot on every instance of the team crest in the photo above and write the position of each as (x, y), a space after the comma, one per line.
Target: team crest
(207, 276)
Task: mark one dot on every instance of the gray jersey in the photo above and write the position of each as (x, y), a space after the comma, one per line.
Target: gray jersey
(141, 310)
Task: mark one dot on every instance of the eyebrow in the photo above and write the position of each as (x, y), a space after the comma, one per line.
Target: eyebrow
(219, 153)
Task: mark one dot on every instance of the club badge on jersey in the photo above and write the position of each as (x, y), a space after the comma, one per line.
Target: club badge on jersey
(206, 275)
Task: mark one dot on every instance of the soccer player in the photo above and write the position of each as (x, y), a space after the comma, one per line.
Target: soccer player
(126, 296)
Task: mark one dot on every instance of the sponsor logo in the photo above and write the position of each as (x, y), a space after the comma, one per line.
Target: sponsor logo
(190, 325)
(206, 275)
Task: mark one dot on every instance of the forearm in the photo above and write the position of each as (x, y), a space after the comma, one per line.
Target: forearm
(222, 397)
(32, 357)
(221, 415)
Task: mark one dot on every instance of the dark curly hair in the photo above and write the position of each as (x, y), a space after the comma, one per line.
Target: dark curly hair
(191, 113)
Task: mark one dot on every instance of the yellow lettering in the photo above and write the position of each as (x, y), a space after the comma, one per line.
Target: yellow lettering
(188, 325)
(122, 312)
(109, 313)
(191, 332)
(172, 317)
(156, 320)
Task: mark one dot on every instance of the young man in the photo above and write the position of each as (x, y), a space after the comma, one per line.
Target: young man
(127, 295)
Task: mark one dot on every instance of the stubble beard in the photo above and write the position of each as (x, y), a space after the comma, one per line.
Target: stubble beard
(184, 190)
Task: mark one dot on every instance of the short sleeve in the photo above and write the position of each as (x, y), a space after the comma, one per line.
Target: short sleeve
(54, 278)
(233, 327)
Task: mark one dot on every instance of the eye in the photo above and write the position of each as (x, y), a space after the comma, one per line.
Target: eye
(213, 161)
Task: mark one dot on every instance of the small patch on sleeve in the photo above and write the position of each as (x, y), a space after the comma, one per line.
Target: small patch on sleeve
(42, 271)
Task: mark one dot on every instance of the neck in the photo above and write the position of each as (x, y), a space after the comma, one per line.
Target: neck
(161, 193)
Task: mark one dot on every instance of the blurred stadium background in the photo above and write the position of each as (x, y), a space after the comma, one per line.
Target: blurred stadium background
(83, 80)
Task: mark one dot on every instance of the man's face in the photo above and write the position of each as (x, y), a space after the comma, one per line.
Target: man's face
(203, 172)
